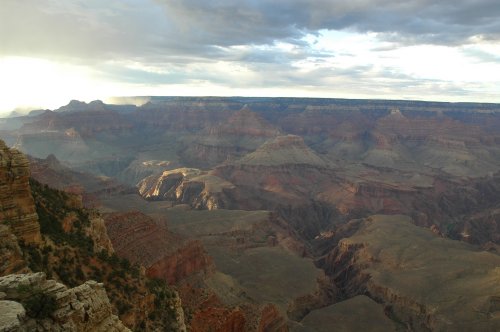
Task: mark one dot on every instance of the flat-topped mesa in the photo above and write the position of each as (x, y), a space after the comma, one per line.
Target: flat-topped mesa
(397, 125)
(17, 207)
(283, 150)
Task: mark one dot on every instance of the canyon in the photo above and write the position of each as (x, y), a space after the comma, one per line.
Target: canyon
(270, 214)
(59, 271)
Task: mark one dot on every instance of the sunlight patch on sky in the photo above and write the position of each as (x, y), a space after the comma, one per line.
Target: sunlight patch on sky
(29, 82)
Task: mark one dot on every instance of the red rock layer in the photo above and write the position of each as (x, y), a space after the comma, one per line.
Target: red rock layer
(219, 320)
(271, 320)
(138, 238)
(189, 259)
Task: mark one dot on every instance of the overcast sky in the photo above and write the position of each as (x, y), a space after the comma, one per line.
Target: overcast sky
(52, 51)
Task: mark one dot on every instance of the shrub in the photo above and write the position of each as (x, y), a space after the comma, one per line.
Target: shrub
(38, 305)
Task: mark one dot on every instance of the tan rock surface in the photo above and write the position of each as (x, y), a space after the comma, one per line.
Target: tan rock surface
(83, 308)
(17, 208)
(12, 316)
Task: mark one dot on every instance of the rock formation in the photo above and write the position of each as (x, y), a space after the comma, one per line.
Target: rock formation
(219, 319)
(51, 172)
(411, 270)
(272, 320)
(17, 208)
(33, 303)
(74, 248)
(201, 190)
(316, 169)
(283, 150)
(369, 316)
(243, 132)
(11, 257)
(99, 234)
(138, 238)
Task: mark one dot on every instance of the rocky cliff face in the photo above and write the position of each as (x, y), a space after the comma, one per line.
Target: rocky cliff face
(219, 319)
(210, 131)
(165, 255)
(342, 160)
(189, 259)
(11, 256)
(74, 248)
(17, 208)
(30, 302)
(411, 270)
(283, 150)
(243, 132)
(99, 234)
(272, 320)
(84, 123)
(52, 172)
(201, 190)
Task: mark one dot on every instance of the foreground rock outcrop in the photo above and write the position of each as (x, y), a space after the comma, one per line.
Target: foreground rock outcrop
(32, 303)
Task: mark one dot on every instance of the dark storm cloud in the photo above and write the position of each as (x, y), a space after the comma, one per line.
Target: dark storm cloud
(227, 22)
(155, 30)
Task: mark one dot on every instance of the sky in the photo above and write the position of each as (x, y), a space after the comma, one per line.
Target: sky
(52, 51)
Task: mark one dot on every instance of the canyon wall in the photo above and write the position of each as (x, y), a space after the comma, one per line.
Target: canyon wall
(17, 208)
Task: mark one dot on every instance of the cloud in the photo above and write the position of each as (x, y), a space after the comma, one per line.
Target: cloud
(226, 22)
(315, 45)
(482, 56)
(160, 30)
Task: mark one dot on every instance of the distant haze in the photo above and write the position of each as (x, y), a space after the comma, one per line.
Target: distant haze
(52, 51)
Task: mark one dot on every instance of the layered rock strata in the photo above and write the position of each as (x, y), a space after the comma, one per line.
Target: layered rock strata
(425, 281)
(83, 308)
(138, 238)
(17, 208)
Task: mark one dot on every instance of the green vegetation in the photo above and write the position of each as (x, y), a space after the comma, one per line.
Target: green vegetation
(67, 254)
(52, 208)
(163, 297)
(38, 304)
